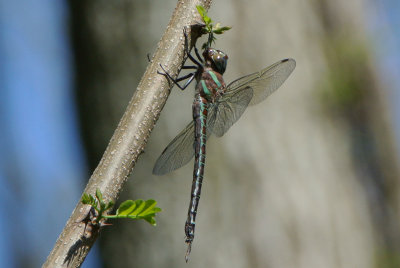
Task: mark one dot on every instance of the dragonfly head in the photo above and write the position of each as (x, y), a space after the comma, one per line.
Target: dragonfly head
(216, 59)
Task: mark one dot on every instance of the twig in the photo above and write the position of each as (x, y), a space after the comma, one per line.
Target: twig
(130, 137)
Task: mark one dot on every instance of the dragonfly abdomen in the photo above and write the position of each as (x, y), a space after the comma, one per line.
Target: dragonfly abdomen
(200, 111)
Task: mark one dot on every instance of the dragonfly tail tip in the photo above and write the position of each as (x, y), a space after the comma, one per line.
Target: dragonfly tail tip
(188, 252)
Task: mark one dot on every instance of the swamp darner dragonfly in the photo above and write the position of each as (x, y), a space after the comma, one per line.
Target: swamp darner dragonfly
(216, 108)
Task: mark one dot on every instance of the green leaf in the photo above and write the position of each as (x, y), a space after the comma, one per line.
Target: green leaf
(99, 195)
(127, 207)
(221, 30)
(209, 28)
(207, 20)
(138, 209)
(109, 205)
(202, 11)
(85, 199)
(88, 199)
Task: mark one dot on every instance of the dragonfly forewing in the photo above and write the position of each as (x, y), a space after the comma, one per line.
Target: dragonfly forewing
(266, 81)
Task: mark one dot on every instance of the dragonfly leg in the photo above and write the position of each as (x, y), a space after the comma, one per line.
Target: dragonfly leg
(198, 54)
(199, 64)
(195, 61)
(189, 80)
(189, 76)
(190, 67)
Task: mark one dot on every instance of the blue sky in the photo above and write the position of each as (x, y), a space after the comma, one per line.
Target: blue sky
(385, 30)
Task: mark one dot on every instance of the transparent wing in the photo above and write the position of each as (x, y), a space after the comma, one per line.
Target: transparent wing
(265, 82)
(248, 90)
(180, 150)
(228, 109)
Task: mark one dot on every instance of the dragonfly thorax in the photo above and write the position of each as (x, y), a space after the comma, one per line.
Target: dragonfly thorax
(216, 59)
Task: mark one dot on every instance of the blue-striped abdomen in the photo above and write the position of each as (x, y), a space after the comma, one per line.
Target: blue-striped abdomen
(200, 110)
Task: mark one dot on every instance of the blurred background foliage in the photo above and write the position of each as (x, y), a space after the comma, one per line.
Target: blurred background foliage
(308, 178)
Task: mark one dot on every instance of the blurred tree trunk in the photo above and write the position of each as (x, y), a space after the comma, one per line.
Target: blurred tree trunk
(306, 179)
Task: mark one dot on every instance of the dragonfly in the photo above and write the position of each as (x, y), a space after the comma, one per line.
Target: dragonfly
(216, 107)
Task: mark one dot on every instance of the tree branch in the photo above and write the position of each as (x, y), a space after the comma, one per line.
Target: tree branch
(130, 137)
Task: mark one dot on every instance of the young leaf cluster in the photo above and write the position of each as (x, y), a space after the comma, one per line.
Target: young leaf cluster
(210, 28)
(97, 203)
(138, 209)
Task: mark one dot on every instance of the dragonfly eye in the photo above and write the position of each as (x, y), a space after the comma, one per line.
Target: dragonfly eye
(218, 58)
